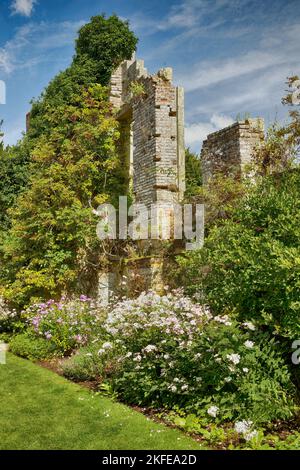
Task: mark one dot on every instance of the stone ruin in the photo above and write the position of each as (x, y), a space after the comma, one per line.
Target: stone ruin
(150, 110)
(229, 150)
(151, 116)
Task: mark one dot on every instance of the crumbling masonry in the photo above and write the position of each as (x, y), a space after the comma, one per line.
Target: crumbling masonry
(151, 114)
(229, 150)
(150, 110)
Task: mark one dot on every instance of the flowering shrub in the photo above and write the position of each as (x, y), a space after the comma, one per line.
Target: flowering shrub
(168, 351)
(7, 317)
(68, 323)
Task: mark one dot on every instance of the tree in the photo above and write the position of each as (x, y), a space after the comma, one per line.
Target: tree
(107, 42)
(281, 148)
(292, 99)
(101, 46)
(53, 240)
(193, 174)
(71, 147)
(13, 178)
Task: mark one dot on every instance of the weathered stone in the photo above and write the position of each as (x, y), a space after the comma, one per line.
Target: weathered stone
(228, 151)
(153, 109)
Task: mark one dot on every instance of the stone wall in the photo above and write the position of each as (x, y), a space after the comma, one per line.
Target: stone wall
(130, 278)
(153, 109)
(228, 151)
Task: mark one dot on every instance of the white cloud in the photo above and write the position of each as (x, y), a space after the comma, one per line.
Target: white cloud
(5, 61)
(184, 15)
(27, 48)
(23, 7)
(197, 132)
(219, 121)
(191, 13)
(212, 73)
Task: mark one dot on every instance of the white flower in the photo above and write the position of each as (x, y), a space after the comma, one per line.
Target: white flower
(150, 348)
(184, 387)
(228, 379)
(213, 411)
(234, 358)
(241, 427)
(250, 435)
(244, 427)
(101, 351)
(224, 319)
(249, 325)
(249, 344)
(245, 369)
(173, 388)
(107, 345)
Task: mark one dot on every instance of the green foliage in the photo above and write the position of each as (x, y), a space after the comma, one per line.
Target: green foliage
(251, 262)
(29, 347)
(84, 365)
(137, 89)
(275, 155)
(221, 195)
(101, 46)
(292, 129)
(107, 42)
(67, 164)
(13, 178)
(193, 174)
(75, 167)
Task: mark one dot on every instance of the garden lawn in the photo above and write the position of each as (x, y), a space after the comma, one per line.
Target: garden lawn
(41, 410)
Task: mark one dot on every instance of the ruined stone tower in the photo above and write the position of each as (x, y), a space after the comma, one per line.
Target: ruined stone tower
(151, 115)
(228, 151)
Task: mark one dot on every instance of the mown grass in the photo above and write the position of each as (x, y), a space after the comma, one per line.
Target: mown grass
(41, 410)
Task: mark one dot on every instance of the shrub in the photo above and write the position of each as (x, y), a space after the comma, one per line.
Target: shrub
(168, 351)
(251, 263)
(68, 324)
(8, 318)
(84, 365)
(30, 347)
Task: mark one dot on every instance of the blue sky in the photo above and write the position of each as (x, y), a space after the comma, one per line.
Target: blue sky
(232, 56)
